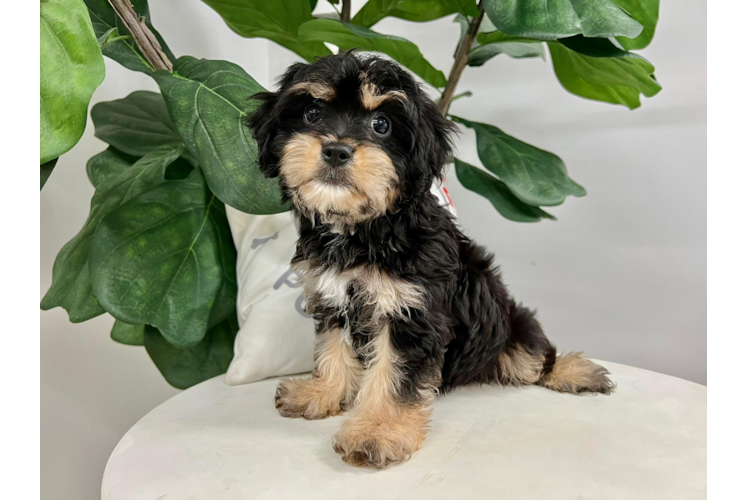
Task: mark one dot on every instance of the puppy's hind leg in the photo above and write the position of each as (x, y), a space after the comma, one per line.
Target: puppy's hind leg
(333, 384)
(530, 358)
(576, 374)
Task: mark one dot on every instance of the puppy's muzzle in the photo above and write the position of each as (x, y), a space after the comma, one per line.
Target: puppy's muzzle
(337, 154)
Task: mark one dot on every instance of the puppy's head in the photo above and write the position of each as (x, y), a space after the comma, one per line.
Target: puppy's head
(351, 138)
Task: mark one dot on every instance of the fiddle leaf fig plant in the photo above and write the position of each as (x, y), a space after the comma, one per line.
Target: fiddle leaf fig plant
(156, 251)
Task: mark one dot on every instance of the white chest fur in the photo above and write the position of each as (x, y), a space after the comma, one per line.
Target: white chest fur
(388, 295)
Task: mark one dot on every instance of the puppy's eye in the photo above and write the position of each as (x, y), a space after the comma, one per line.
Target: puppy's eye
(380, 125)
(312, 114)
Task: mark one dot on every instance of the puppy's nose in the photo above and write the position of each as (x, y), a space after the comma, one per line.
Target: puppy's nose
(337, 154)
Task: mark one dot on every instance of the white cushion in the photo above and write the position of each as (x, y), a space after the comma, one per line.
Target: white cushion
(276, 336)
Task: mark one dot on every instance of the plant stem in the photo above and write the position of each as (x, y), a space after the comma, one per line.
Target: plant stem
(144, 37)
(461, 58)
(345, 13)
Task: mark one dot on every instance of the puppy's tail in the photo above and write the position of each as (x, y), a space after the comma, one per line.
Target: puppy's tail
(531, 358)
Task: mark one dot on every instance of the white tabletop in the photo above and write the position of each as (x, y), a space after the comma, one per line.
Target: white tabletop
(213, 441)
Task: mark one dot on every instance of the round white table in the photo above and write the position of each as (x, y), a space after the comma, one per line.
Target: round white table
(214, 441)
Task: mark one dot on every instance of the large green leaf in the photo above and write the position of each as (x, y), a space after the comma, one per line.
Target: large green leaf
(412, 10)
(163, 258)
(71, 67)
(107, 164)
(45, 171)
(208, 103)
(185, 367)
(128, 334)
(515, 49)
(498, 194)
(647, 13)
(597, 69)
(71, 283)
(349, 36)
(137, 124)
(553, 19)
(119, 44)
(276, 20)
(536, 177)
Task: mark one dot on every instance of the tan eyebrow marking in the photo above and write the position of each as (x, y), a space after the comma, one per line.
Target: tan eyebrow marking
(315, 89)
(371, 98)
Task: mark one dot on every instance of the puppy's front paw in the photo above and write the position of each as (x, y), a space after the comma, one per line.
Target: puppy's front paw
(378, 444)
(306, 398)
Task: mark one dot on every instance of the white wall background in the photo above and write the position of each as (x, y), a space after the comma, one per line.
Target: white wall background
(621, 274)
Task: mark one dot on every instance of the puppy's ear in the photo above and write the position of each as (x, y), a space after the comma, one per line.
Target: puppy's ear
(434, 139)
(264, 124)
(265, 120)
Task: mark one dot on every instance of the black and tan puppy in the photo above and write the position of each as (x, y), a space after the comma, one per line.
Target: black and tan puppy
(406, 306)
